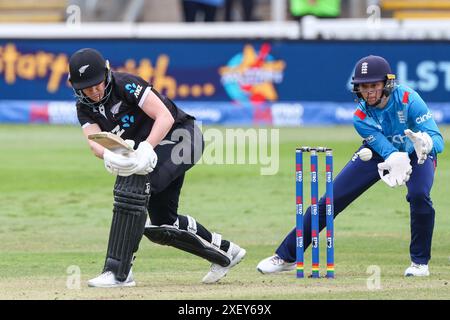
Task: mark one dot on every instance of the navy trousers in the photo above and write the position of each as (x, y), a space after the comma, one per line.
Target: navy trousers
(358, 176)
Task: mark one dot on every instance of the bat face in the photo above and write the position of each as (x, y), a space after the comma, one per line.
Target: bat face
(111, 142)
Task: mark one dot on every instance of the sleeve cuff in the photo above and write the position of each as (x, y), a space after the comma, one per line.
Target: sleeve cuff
(144, 96)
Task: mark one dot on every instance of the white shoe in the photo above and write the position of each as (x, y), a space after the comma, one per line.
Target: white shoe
(274, 264)
(108, 280)
(217, 272)
(417, 270)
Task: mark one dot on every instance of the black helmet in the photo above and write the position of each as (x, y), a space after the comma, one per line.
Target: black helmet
(373, 69)
(87, 68)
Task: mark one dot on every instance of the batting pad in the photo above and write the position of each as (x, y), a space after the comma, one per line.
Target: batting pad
(131, 195)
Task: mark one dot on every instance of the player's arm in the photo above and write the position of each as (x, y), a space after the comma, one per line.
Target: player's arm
(420, 119)
(97, 149)
(150, 102)
(396, 163)
(371, 133)
(153, 106)
(155, 109)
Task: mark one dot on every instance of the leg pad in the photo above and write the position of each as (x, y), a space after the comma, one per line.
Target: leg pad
(131, 196)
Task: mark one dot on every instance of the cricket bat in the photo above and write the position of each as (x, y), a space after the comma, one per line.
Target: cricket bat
(111, 142)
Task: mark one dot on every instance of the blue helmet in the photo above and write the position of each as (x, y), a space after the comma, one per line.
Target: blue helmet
(373, 69)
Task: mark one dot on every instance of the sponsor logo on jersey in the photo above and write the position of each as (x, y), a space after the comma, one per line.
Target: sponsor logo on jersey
(127, 121)
(397, 139)
(133, 89)
(424, 118)
(370, 139)
(117, 130)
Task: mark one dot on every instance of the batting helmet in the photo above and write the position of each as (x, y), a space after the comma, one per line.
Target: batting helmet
(87, 68)
(373, 69)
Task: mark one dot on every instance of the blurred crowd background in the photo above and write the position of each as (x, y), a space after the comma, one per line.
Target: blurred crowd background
(216, 10)
(230, 62)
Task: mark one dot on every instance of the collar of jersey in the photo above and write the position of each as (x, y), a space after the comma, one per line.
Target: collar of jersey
(388, 106)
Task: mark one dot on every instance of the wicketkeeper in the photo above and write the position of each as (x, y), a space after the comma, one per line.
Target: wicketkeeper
(149, 180)
(398, 127)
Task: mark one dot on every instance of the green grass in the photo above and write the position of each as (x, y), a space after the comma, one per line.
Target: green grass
(55, 212)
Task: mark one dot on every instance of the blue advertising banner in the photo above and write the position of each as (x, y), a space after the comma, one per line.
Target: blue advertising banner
(219, 113)
(233, 81)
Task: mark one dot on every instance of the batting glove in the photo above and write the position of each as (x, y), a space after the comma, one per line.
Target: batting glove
(146, 158)
(118, 164)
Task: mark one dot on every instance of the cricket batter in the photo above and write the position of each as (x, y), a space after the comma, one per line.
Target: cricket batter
(399, 129)
(149, 180)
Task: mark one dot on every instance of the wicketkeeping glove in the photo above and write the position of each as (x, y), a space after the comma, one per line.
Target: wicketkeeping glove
(399, 167)
(423, 144)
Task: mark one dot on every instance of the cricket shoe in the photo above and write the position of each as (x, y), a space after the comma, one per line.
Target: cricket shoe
(217, 272)
(108, 280)
(274, 264)
(417, 270)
